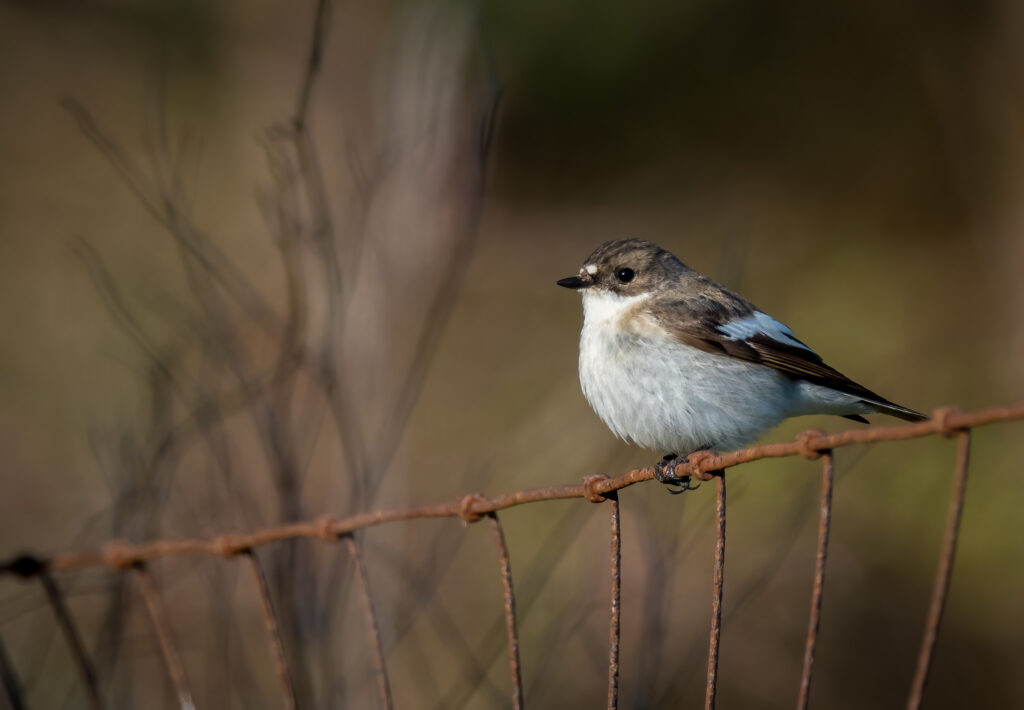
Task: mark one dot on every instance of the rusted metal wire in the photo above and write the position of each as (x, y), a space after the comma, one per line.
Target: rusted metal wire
(614, 631)
(122, 556)
(172, 660)
(370, 619)
(944, 573)
(824, 524)
(119, 555)
(510, 611)
(716, 596)
(273, 630)
(67, 626)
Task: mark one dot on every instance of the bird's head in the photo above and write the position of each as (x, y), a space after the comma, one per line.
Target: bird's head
(628, 267)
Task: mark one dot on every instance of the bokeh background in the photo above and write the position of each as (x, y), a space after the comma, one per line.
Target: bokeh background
(229, 301)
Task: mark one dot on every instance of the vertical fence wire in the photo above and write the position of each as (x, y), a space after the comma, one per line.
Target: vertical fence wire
(12, 687)
(131, 558)
(510, 612)
(273, 629)
(824, 524)
(945, 571)
(158, 618)
(614, 630)
(716, 597)
(370, 620)
(67, 626)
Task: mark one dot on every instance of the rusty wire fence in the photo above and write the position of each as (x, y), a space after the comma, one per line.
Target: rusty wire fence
(136, 559)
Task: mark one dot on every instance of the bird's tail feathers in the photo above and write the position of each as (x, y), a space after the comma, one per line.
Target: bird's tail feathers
(884, 406)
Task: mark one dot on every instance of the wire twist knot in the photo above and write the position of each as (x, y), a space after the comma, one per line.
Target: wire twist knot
(324, 528)
(589, 492)
(805, 441)
(466, 511)
(119, 555)
(228, 546)
(941, 417)
(699, 466)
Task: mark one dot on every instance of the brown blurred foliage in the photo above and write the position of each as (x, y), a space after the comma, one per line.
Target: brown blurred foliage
(237, 291)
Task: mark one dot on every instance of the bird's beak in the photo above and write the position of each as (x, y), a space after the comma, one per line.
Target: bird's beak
(572, 282)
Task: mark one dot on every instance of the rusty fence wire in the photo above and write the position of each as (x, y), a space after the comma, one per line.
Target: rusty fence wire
(134, 559)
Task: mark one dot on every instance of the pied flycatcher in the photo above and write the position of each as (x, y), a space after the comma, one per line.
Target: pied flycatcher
(673, 361)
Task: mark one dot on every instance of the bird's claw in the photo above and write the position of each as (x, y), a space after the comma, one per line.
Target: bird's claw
(664, 471)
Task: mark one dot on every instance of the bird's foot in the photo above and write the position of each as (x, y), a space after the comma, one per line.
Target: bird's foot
(664, 471)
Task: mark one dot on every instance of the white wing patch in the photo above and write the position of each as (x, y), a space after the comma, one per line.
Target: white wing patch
(761, 323)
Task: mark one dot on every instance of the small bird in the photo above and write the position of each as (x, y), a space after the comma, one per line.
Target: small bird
(673, 361)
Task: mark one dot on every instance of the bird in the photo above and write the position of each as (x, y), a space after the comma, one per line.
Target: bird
(673, 361)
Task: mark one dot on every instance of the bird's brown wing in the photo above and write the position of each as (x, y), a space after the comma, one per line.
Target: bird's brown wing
(697, 321)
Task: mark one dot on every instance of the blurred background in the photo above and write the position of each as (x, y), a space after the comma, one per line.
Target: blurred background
(237, 290)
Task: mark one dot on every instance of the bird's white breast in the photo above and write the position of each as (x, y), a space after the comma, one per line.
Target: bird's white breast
(650, 388)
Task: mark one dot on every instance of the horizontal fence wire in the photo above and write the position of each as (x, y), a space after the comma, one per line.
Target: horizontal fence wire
(948, 422)
(120, 555)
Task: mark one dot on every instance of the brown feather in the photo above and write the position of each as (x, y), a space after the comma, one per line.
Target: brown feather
(694, 321)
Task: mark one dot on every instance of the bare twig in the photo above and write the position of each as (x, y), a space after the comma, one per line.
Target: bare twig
(167, 213)
(444, 299)
(316, 50)
(67, 625)
(472, 664)
(12, 686)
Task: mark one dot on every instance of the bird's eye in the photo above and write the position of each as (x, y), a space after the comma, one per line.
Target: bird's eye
(625, 275)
